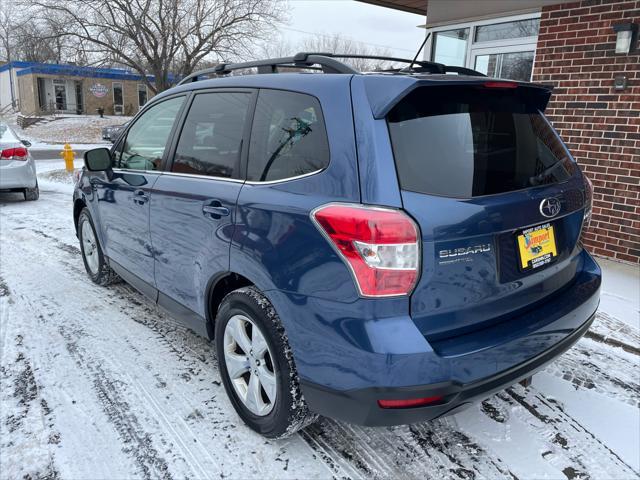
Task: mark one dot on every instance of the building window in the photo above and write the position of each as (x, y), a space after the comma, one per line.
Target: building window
(501, 48)
(506, 30)
(512, 65)
(142, 95)
(450, 47)
(118, 98)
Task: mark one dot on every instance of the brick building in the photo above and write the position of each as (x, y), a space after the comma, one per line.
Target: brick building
(596, 100)
(37, 88)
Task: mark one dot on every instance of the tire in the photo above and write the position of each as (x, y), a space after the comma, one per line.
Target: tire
(32, 193)
(94, 262)
(288, 412)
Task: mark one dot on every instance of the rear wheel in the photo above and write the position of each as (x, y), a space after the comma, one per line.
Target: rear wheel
(257, 367)
(32, 193)
(92, 256)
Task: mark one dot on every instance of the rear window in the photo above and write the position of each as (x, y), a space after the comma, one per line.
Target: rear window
(288, 138)
(472, 141)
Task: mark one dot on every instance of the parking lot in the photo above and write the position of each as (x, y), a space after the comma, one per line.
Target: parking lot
(99, 383)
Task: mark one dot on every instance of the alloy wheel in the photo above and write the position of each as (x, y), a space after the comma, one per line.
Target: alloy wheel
(90, 247)
(250, 365)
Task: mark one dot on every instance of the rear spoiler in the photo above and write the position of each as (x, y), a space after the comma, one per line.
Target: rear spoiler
(384, 93)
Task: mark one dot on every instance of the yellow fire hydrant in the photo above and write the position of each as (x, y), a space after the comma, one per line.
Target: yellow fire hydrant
(68, 155)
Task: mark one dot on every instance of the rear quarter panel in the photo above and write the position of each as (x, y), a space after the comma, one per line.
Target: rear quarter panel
(275, 244)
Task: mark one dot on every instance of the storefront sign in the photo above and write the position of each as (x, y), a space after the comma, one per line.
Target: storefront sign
(98, 90)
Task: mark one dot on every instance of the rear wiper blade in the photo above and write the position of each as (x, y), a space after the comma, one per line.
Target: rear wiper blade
(537, 179)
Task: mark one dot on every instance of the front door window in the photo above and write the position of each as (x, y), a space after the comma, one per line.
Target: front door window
(146, 140)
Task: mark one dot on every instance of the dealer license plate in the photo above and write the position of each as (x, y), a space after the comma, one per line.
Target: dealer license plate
(537, 246)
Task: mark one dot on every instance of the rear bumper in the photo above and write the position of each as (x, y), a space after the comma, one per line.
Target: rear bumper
(361, 406)
(16, 174)
(350, 355)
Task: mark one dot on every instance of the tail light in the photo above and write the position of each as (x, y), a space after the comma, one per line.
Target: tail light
(381, 246)
(588, 201)
(18, 153)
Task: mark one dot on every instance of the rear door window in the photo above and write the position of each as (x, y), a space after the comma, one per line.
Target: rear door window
(288, 137)
(470, 141)
(211, 138)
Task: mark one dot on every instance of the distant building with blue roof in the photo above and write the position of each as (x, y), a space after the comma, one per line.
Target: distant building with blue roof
(41, 88)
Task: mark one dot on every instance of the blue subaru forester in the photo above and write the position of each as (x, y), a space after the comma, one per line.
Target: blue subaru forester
(381, 248)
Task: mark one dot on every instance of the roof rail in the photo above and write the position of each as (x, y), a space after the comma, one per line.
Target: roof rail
(325, 62)
(299, 60)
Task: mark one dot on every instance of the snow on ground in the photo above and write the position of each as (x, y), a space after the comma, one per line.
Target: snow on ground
(99, 383)
(79, 130)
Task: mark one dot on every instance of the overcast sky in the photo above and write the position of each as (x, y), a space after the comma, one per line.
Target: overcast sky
(370, 24)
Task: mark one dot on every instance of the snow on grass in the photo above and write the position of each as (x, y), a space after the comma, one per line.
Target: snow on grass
(52, 176)
(81, 130)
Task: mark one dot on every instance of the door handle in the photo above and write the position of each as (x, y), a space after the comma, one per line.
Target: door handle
(96, 182)
(140, 197)
(215, 210)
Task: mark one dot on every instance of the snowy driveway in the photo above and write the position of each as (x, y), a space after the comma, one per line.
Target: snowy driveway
(98, 383)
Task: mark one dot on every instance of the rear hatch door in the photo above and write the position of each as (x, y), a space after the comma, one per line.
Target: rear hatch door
(498, 199)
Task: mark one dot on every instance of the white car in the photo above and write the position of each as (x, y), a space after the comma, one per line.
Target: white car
(17, 168)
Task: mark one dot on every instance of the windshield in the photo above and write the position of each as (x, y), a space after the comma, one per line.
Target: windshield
(472, 141)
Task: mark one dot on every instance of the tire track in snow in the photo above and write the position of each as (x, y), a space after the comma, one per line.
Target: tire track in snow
(613, 332)
(110, 391)
(451, 444)
(584, 366)
(433, 450)
(571, 445)
(193, 355)
(136, 441)
(25, 416)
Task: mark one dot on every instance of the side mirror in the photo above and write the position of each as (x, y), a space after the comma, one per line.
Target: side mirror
(97, 160)
(26, 143)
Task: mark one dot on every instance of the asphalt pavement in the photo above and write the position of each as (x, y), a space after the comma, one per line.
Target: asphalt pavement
(54, 153)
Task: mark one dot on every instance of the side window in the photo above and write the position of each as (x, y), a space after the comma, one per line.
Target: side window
(211, 137)
(288, 137)
(144, 145)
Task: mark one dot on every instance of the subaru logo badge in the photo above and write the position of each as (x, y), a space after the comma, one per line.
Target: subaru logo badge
(550, 207)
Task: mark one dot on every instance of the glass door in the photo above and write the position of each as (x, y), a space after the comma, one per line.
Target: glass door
(118, 98)
(142, 95)
(60, 94)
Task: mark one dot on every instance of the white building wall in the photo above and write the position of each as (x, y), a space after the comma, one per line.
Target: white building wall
(7, 77)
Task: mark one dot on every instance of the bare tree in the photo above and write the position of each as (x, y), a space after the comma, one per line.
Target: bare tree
(7, 35)
(328, 43)
(164, 37)
(337, 43)
(23, 37)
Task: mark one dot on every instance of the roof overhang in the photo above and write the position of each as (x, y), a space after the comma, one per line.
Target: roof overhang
(441, 12)
(412, 6)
